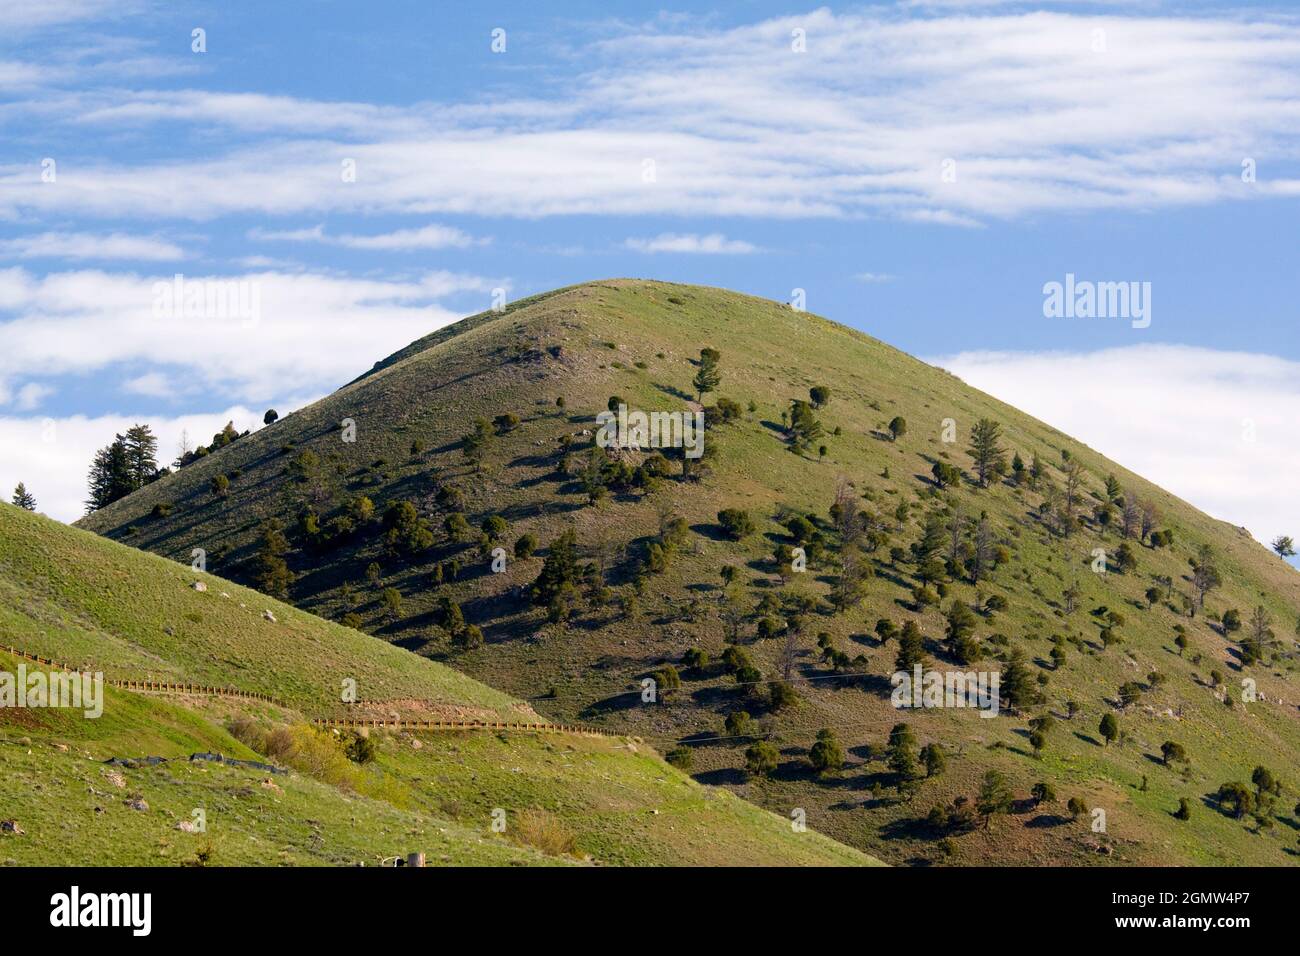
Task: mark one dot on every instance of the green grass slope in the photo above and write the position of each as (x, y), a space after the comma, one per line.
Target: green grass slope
(640, 341)
(71, 596)
(74, 810)
(77, 598)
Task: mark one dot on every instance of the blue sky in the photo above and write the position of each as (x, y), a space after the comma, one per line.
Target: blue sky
(791, 147)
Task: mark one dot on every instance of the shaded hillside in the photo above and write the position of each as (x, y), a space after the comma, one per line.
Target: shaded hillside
(564, 798)
(649, 581)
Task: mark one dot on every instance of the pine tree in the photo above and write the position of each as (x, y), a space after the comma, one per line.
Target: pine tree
(826, 755)
(911, 648)
(1035, 471)
(1255, 646)
(931, 541)
(23, 498)
(961, 627)
(1205, 575)
(1018, 684)
(1074, 475)
(271, 572)
(932, 755)
(474, 445)
(804, 426)
(902, 753)
(559, 571)
(994, 797)
(986, 451)
(141, 447)
(110, 475)
(708, 377)
(1109, 728)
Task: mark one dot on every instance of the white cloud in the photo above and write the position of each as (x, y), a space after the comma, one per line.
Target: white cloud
(690, 244)
(22, 76)
(426, 237)
(152, 384)
(82, 245)
(1037, 110)
(1215, 428)
(267, 262)
(312, 331)
(874, 278)
(52, 455)
(31, 395)
(25, 16)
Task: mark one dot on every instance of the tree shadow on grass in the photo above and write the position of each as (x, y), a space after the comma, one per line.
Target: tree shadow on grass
(1046, 820)
(907, 828)
(723, 777)
(674, 391)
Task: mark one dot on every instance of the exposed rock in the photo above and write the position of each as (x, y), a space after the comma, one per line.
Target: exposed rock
(138, 804)
(135, 763)
(11, 826)
(232, 762)
(268, 616)
(199, 586)
(187, 826)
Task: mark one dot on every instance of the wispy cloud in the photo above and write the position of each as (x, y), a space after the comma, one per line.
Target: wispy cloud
(426, 237)
(31, 395)
(26, 16)
(874, 278)
(152, 384)
(713, 244)
(946, 118)
(83, 245)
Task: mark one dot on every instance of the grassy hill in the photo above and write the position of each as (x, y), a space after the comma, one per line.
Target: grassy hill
(650, 583)
(565, 799)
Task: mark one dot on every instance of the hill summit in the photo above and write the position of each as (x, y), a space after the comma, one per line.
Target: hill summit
(853, 514)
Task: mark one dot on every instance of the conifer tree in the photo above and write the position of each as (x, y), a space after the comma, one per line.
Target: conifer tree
(23, 498)
(707, 378)
(986, 451)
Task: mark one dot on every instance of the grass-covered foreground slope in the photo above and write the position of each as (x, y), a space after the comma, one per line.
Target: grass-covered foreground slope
(78, 599)
(563, 799)
(73, 809)
(1012, 561)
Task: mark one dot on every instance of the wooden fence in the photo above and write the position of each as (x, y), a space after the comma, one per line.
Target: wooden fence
(354, 723)
(152, 686)
(343, 723)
